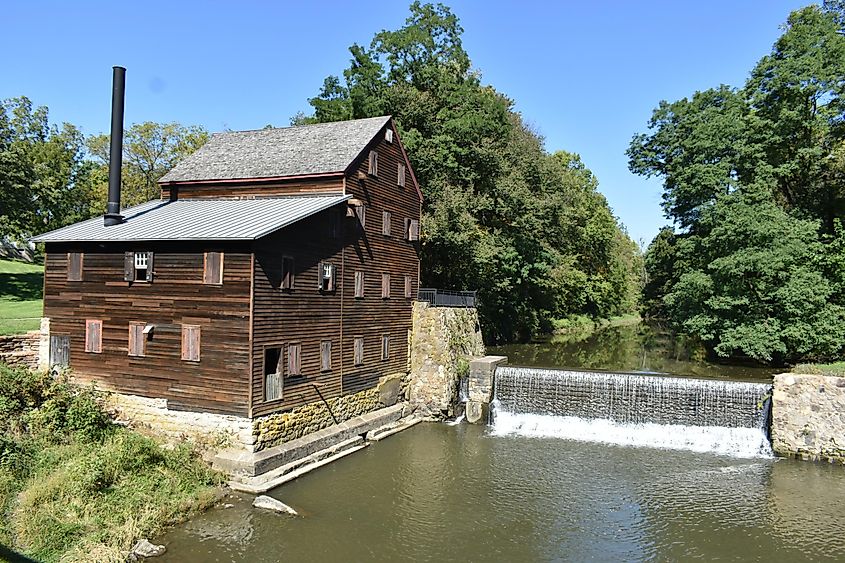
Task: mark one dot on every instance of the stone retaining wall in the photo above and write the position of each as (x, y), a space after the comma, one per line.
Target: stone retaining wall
(20, 349)
(275, 429)
(808, 416)
(213, 430)
(441, 336)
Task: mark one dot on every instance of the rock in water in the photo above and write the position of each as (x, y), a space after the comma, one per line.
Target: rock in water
(269, 503)
(145, 549)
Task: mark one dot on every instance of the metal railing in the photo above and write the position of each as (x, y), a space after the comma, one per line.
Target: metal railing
(447, 298)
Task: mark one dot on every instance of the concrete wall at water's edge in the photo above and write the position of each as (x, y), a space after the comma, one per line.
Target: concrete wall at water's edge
(441, 337)
(808, 416)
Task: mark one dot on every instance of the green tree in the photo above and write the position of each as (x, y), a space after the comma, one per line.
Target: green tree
(150, 150)
(42, 173)
(528, 229)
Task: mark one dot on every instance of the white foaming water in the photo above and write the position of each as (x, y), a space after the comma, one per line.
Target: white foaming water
(455, 422)
(734, 442)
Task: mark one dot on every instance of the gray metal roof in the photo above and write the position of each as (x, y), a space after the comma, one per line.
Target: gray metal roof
(198, 219)
(271, 153)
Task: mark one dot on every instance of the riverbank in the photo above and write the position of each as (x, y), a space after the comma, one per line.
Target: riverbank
(834, 369)
(75, 486)
(586, 325)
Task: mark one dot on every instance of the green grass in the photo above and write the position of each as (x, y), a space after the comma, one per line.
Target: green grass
(21, 304)
(76, 487)
(836, 368)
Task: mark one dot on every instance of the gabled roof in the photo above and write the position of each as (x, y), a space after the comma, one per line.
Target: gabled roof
(272, 153)
(198, 219)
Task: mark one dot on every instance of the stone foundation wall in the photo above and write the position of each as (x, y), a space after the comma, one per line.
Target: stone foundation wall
(275, 429)
(808, 416)
(441, 336)
(20, 349)
(213, 430)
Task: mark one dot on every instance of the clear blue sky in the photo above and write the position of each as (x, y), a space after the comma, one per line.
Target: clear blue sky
(586, 74)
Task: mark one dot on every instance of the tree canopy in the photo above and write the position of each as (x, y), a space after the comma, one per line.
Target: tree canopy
(753, 179)
(528, 229)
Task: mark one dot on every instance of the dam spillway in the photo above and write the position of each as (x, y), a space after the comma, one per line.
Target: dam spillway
(706, 415)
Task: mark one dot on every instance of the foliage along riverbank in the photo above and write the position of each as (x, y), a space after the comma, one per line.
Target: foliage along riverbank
(76, 487)
(754, 182)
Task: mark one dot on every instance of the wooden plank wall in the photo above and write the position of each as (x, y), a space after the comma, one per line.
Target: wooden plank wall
(295, 186)
(305, 315)
(218, 383)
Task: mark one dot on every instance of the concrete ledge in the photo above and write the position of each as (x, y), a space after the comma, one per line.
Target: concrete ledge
(242, 463)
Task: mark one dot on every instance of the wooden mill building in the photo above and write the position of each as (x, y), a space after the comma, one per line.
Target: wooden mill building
(279, 265)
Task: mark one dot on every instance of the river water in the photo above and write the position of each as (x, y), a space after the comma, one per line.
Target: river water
(472, 493)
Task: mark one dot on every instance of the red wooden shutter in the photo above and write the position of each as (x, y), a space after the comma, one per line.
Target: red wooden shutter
(191, 340)
(136, 339)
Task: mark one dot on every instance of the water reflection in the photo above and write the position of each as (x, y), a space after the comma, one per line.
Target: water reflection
(642, 347)
(439, 493)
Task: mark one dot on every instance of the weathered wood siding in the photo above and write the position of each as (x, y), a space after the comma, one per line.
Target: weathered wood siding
(307, 316)
(219, 382)
(256, 188)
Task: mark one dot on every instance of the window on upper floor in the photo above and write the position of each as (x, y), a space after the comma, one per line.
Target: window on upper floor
(385, 286)
(373, 164)
(400, 176)
(412, 229)
(287, 272)
(359, 284)
(74, 266)
(138, 266)
(385, 223)
(326, 277)
(212, 271)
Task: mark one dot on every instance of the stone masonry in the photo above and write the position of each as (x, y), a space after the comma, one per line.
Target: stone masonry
(20, 349)
(808, 416)
(441, 336)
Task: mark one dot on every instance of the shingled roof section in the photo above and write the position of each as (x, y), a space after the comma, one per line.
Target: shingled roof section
(272, 153)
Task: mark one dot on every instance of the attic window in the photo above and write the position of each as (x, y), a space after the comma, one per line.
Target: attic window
(388, 135)
(74, 266)
(213, 268)
(373, 169)
(400, 176)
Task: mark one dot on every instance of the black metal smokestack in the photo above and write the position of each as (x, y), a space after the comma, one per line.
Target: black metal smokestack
(113, 216)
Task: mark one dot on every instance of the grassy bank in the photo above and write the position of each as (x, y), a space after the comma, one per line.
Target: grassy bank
(836, 368)
(21, 286)
(76, 487)
(581, 323)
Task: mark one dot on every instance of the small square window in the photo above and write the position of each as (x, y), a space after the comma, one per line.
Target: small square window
(138, 266)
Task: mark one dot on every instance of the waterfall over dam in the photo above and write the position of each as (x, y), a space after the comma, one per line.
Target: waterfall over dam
(726, 417)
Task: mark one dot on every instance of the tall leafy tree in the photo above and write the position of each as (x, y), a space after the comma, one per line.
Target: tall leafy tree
(528, 229)
(754, 180)
(150, 150)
